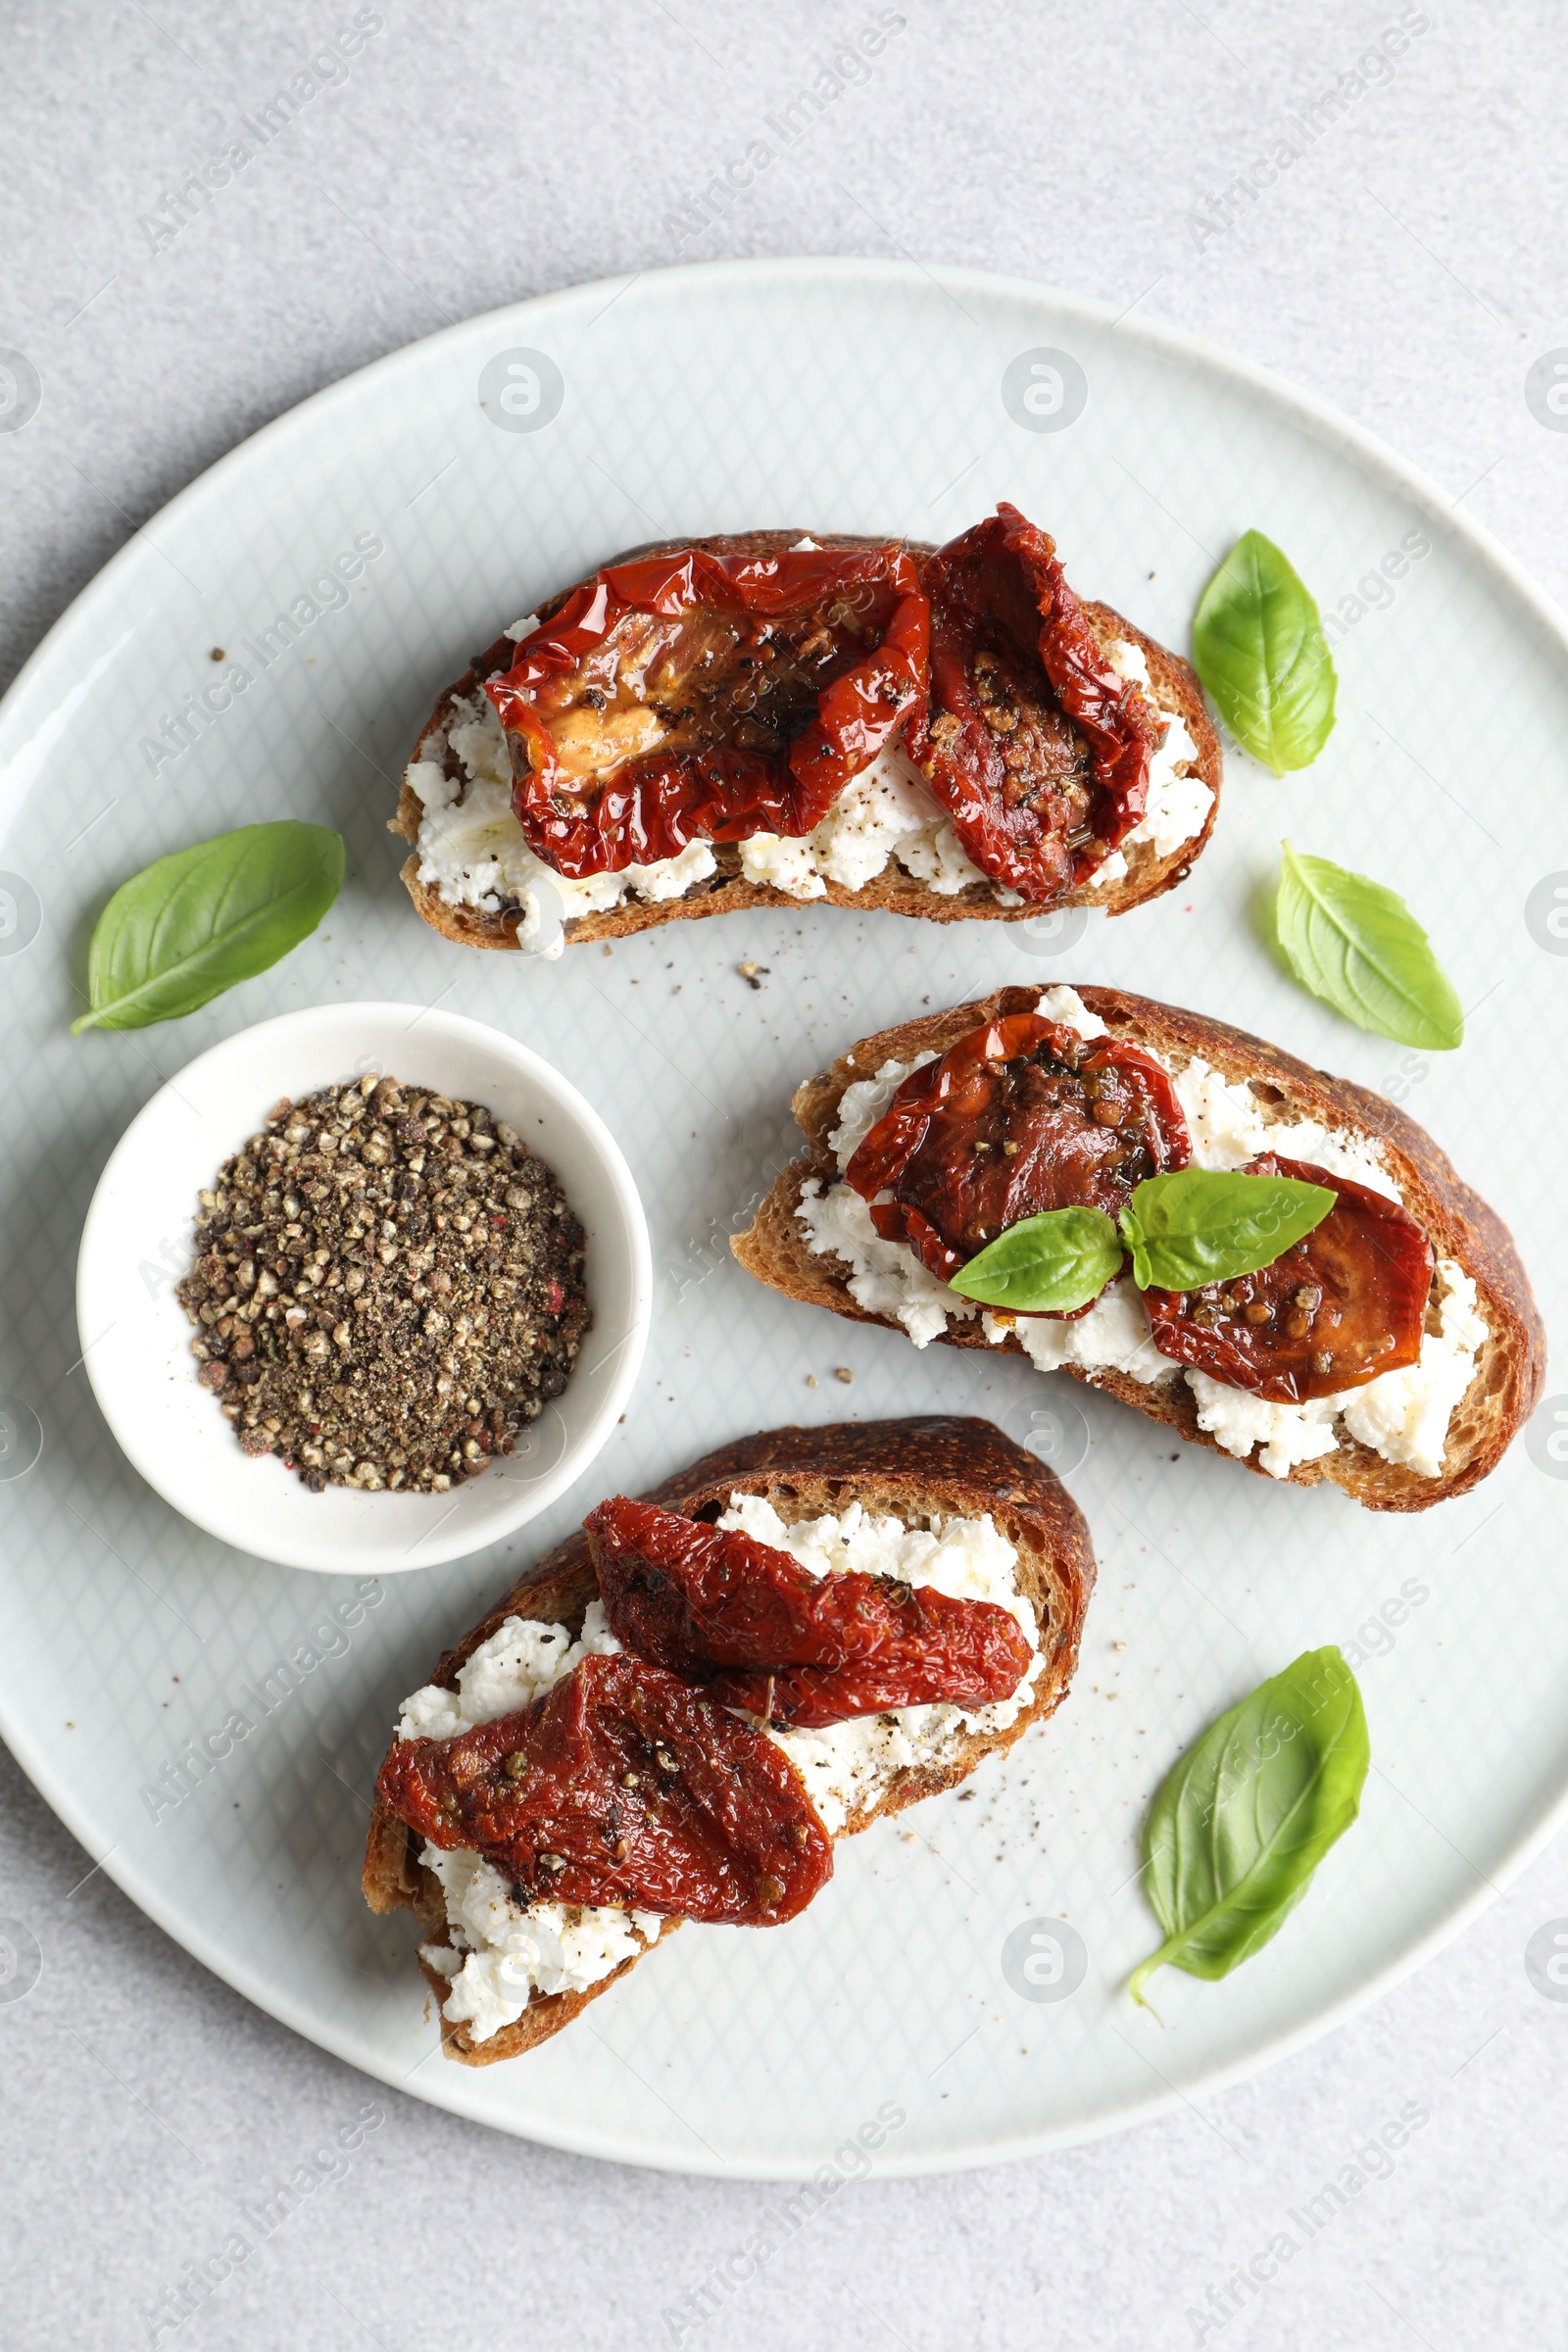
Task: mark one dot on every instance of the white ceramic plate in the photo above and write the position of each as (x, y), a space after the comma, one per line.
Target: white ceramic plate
(861, 397)
(135, 1336)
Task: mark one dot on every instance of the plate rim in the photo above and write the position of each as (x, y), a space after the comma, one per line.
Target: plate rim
(1331, 428)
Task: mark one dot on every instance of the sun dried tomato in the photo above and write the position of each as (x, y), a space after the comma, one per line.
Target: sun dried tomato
(693, 697)
(1344, 1306)
(1018, 1117)
(622, 1785)
(742, 1617)
(1035, 746)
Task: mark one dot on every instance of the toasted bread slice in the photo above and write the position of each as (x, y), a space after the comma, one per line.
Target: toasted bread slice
(933, 1465)
(726, 892)
(1510, 1366)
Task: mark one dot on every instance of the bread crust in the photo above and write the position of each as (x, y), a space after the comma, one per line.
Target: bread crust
(893, 891)
(1510, 1367)
(933, 1464)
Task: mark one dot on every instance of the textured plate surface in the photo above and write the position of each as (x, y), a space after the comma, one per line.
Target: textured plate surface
(458, 482)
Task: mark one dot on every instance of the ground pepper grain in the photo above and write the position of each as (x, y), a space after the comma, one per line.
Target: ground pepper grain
(388, 1285)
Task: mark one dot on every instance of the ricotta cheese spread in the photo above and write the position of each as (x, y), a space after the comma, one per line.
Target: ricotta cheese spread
(847, 1766)
(472, 850)
(1177, 809)
(1401, 1416)
(502, 1950)
(885, 811)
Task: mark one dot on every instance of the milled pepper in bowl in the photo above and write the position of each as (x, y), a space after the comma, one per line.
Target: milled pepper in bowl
(388, 1287)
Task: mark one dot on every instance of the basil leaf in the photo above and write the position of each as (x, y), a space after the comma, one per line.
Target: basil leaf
(1197, 1225)
(191, 925)
(1258, 646)
(1242, 1822)
(1045, 1265)
(1356, 944)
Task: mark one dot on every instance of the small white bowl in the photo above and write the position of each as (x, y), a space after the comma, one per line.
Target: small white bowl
(138, 1244)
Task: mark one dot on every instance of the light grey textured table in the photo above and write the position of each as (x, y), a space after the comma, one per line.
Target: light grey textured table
(1406, 266)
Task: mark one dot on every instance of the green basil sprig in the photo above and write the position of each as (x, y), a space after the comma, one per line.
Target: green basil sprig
(1186, 1228)
(1356, 944)
(1199, 1225)
(191, 925)
(1048, 1265)
(1243, 1820)
(1258, 646)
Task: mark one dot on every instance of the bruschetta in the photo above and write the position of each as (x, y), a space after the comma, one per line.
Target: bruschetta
(772, 718)
(1395, 1351)
(741, 1719)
